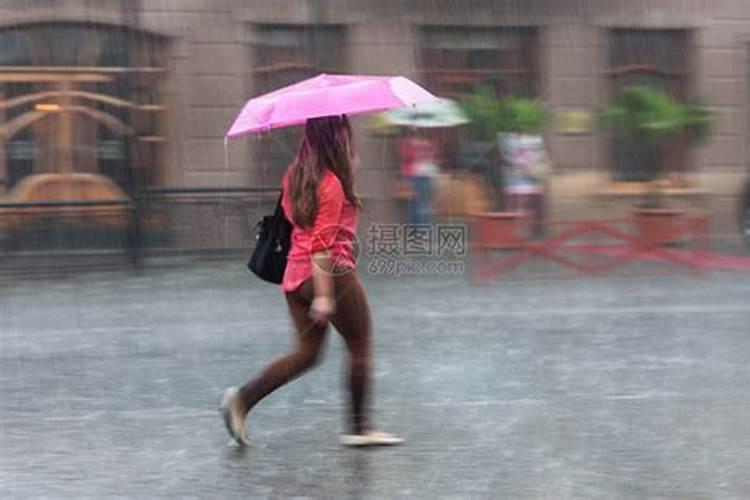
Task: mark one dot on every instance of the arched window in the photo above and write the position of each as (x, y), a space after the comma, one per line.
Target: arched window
(286, 54)
(456, 60)
(656, 59)
(77, 97)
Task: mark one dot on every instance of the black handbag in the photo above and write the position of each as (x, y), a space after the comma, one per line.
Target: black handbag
(273, 237)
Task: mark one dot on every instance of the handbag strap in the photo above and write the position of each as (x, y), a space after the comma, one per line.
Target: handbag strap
(279, 209)
(279, 217)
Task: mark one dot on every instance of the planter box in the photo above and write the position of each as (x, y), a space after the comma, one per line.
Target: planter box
(658, 226)
(498, 230)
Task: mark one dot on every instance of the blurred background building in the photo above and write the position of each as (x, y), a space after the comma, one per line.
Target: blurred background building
(111, 99)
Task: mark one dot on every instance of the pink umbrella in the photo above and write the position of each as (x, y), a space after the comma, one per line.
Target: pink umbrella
(326, 95)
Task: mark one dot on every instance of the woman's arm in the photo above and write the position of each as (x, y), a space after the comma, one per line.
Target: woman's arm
(324, 302)
(325, 228)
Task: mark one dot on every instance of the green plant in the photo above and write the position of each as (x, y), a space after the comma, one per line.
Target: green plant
(651, 117)
(490, 115)
(521, 115)
(483, 110)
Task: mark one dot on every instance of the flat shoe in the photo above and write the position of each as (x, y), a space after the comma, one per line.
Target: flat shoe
(233, 418)
(371, 438)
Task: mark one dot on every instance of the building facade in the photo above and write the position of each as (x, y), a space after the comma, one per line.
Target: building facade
(169, 75)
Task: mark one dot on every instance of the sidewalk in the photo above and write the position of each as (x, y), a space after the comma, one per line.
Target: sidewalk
(615, 387)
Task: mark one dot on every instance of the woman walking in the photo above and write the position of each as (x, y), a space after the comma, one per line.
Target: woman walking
(320, 282)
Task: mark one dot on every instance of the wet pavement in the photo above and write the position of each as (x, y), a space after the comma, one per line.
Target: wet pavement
(624, 387)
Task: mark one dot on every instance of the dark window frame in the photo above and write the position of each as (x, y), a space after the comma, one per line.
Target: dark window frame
(658, 58)
(109, 49)
(284, 54)
(454, 60)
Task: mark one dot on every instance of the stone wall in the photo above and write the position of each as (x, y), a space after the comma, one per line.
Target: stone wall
(210, 65)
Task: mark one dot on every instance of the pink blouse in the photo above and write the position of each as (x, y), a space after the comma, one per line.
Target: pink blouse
(334, 229)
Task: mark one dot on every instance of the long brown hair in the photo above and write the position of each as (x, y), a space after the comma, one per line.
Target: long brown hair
(327, 144)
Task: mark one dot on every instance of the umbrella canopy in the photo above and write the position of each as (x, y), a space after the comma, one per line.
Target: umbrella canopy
(433, 114)
(326, 95)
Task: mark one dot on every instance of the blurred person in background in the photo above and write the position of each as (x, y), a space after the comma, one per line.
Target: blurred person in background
(320, 281)
(419, 165)
(527, 167)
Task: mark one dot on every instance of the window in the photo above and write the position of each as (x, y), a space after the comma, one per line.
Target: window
(656, 59)
(456, 60)
(69, 94)
(78, 45)
(285, 54)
